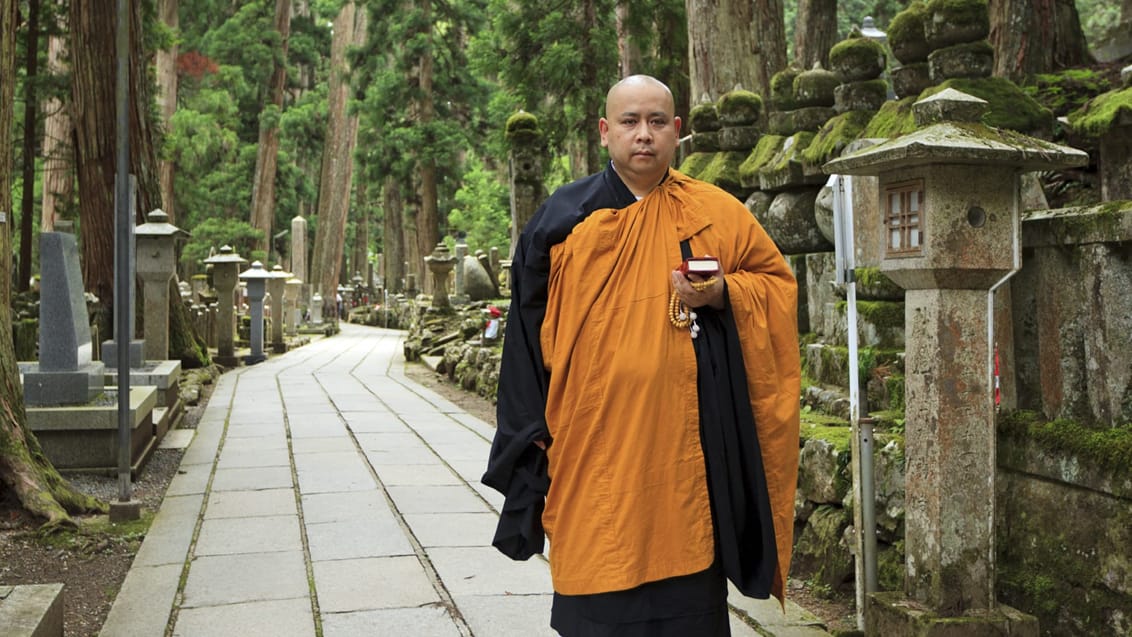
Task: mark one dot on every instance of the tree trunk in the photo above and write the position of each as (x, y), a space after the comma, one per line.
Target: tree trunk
(93, 81)
(360, 260)
(58, 155)
(428, 221)
(815, 33)
(31, 126)
(1035, 36)
(263, 183)
(168, 14)
(337, 161)
(627, 55)
(23, 468)
(393, 249)
(734, 42)
(594, 99)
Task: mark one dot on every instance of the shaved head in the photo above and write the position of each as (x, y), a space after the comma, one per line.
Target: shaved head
(637, 82)
(641, 131)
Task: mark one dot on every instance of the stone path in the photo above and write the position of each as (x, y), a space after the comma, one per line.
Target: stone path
(326, 493)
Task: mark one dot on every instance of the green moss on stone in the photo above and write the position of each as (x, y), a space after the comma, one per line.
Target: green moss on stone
(960, 11)
(1098, 116)
(892, 120)
(723, 171)
(782, 89)
(704, 118)
(695, 164)
(760, 156)
(1068, 90)
(908, 25)
(882, 313)
(1008, 106)
(740, 107)
(1110, 448)
(815, 87)
(856, 53)
(835, 135)
(894, 385)
(522, 128)
(827, 428)
(792, 149)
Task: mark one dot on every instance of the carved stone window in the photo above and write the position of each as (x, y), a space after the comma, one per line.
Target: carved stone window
(904, 206)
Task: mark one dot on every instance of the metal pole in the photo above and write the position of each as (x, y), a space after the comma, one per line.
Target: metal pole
(123, 223)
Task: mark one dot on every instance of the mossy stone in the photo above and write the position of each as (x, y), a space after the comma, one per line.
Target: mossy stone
(952, 22)
(706, 142)
(781, 123)
(834, 136)
(1008, 106)
(857, 59)
(723, 171)
(694, 164)
(892, 120)
(1102, 113)
(906, 38)
(970, 59)
(812, 118)
(910, 79)
(522, 129)
(782, 89)
(740, 108)
(763, 153)
(815, 87)
(866, 95)
(704, 118)
(1068, 90)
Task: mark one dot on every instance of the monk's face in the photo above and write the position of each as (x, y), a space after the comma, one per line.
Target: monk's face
(641, 132)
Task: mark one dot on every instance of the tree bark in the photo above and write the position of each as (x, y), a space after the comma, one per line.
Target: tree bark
(594, 99)
(393, 249)
(360, 259)
(31, 126)
(263, 183)
(734, 43)
(93, 81)
(337, 161)
(23, 468)
(428, 218)
(627, 55)
(58, 155)
(1035, 36)
(815, 33)
(167, 12)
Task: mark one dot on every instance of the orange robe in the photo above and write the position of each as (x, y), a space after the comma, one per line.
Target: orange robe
(628, 498)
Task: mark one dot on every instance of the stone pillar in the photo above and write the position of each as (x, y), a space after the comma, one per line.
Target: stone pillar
(225, 272)
(524, 164)
(156, 265)
(316, 310)
(294, 316)
(440, 264)
(950, 221)
(275, 287)
(461, 252)
(255, 278)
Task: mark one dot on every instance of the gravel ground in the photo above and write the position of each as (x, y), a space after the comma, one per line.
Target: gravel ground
(90, 562)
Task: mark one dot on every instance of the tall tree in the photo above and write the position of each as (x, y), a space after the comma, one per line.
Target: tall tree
(734, 42)
(263, 182)
(168, 12)
(337, 160)
(58, 155)
(393, 249)
(31, 129)
(24, 470)
(1035, 36)
(815, 32)
(93, 80)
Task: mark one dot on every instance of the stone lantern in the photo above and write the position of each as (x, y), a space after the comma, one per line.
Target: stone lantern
(275, 287)
(156, 265)
(256, 279)
(225, 270)
(294, 288)
(440, 263)
(950, 211)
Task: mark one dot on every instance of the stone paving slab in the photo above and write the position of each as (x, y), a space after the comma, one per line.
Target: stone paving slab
(216, 580)
(452, 529)
(354, 539)
(367, 584)
(427, 621)
(246, 479)
(482, 570)
(357, 506)
(169, 537)
(417, 474)
(229, 536)
(435, 499)
(507, 615)
(275, 618)
(143, 604)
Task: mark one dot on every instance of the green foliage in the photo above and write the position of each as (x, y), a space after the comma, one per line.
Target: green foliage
(216, 232)
(483, 209)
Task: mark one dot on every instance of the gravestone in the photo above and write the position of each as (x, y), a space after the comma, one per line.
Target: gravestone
(66, 372)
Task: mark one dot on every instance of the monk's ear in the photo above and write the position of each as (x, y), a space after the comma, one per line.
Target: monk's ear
(603, 128)
(676, 121)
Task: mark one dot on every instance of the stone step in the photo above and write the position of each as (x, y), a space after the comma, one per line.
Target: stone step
(34, 610)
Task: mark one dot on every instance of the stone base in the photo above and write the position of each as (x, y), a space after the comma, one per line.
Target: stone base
(165, 377)
(110, 353)
(85, 437)
(253, 359)
(32, 611)
(125, 511)
(279, 348)
(894, 615)
(227, 361)
(42, 388)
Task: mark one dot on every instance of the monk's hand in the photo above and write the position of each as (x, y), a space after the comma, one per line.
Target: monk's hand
(711, 295)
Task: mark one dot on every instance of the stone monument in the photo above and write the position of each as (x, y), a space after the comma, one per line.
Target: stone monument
(275, 287)
(949, 196)
(255, 278)
(440, 264)
(225, 269)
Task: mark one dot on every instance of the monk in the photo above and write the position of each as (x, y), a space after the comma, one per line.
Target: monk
(648, 413)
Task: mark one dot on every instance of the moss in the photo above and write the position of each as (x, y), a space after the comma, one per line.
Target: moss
(1097, 117)
(760, 157)
(695, 164)
(835, 135)
(815, 87)
(1068, 90)
(704, 118)
(1110, 448)
(522, 128)
(856, 53)
(882, 313)
(894, 385)
(890, 567)
(723, 171)
(792, 149)
(892, 120)
(1008, 106)
(960, 11)
(740, 107)
(782, 89)
(908, 25)
(827, 428)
